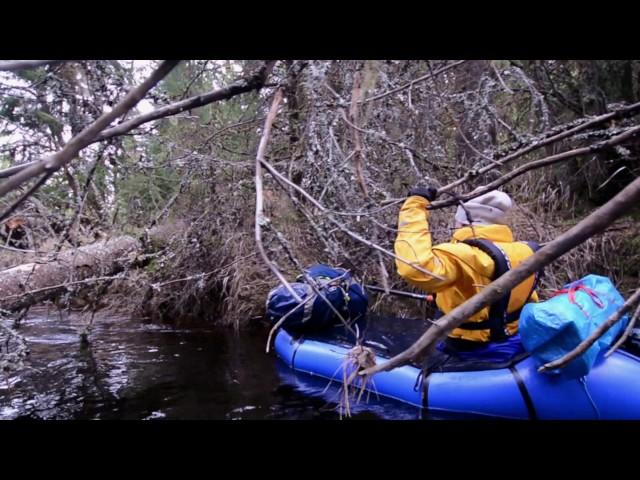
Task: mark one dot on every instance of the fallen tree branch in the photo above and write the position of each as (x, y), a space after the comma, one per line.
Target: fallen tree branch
(65, 285)
(330, 246)
(74, 220)
(8, 172)
(413, 82)
(620, 138)
(594, 223)
(18, 250)
(627, 332)
(57, 160)
(31, 283)
(543, 162)
(169, 204)
(12, 208)
(458, 127)
(383, 138)
(537, 164)
(198, 276)
(359, 150)
(340, 226)
(260, 219)
(255, 82)
(623, 112)
(597, 333)
(13, 65)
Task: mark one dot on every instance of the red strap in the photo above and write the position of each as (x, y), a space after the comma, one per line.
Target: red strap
(572, 295)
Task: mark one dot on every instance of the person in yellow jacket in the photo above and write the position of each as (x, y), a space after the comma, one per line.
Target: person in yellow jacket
(481, 249)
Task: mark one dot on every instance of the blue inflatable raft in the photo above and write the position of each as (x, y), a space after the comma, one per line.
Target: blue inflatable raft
(610, 391)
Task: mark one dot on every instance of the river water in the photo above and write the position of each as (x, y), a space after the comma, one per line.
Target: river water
(132, 370)
(136, 371)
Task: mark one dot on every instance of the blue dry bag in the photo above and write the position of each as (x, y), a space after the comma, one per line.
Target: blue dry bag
(553, 328)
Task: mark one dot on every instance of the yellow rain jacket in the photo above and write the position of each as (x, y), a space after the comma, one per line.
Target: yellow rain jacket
(465, 269)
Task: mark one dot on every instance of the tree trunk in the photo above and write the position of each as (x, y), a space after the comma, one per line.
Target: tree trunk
(32, 283)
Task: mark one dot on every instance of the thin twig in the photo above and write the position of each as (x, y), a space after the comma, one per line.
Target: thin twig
(359, 150)
(538, 164)
(25, 195)
(11, 249)
(260, 219)
(344, 229)
(66, 284)
(623, 112)
(413, 82)
(201, 275)
(284, 318)
(627, 332)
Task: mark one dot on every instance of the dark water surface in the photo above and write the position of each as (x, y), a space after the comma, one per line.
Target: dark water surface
(132, 370)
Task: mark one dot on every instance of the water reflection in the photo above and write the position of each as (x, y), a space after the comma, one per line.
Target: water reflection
(135, 371)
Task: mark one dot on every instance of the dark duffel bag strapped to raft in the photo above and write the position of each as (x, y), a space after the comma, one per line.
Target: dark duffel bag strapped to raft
(337, 286)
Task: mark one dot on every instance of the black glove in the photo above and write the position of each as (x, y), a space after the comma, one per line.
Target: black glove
(430, 193)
